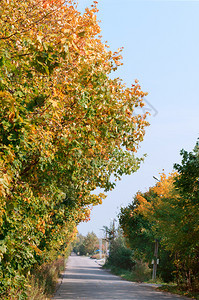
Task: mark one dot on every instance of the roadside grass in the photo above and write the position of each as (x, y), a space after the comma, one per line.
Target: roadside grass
(142, 274)
(174, 289)
(42, 283)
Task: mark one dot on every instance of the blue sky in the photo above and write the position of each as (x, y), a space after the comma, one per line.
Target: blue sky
(161, 50)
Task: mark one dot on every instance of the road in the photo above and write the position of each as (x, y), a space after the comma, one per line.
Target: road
(85, 279)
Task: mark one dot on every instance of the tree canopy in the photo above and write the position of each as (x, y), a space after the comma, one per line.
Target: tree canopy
(66, 128)
(169, 212)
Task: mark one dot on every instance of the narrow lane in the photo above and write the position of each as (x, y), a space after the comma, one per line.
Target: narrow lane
(84, 279)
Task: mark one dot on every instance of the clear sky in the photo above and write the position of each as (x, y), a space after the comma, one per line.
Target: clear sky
(161, 50)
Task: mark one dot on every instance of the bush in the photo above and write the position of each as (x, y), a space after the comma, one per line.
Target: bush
(141, 272)
(120, 256)
(41, 284)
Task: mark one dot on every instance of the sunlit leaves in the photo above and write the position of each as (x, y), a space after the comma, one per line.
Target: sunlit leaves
(66, 126)
(169, 212)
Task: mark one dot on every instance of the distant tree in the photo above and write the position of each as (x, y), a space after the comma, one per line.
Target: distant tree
(110, 232)
(137, 230)
(77, 243)
(91, 243)
(188, 180)
(86, 244)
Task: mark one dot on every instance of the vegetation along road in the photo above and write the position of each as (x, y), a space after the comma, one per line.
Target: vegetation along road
(85, 279)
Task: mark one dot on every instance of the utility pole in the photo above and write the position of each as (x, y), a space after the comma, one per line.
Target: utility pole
(155, 261)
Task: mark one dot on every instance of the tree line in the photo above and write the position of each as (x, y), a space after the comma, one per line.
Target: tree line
(168, 215)
(66, 128)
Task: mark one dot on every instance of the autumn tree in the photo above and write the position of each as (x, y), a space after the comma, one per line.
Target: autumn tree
(169, 212)
(174, 216)
(141, 233)
(66, 128)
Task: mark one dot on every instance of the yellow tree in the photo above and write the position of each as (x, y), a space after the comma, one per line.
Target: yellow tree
(173, 217)
(65, 127)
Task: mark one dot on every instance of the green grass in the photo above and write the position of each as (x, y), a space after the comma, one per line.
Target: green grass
(138, 275)
(142, 274)
(174, 289)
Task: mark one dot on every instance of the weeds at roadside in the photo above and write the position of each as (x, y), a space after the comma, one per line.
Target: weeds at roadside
(44, 280)
(175, 290)
(41, 284)
(142, 274)
(139, 273)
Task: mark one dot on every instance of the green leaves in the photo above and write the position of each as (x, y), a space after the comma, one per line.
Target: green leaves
(45, 62)
(65, 128)
(169, 213)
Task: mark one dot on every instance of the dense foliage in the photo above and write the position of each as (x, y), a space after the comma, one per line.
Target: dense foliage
(169, 213)
(140, 235)
(122, 259)
(65, 129)
(119, 255)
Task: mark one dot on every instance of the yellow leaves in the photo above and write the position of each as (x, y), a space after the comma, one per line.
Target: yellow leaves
(2, 210)
(7, 100)
(91, 151)
(26, 199)
(3, 186)
(164, 188)
(64, 40)
(74, 46)
(39, 38)
(144, 206)
(102, 195)
(36, 249)
(66, 30)
(73, 119)
(33, 129)
(5, 176)
(155, 201)
(142, 104)
(11, 117)
(41, 226)
(53, 102)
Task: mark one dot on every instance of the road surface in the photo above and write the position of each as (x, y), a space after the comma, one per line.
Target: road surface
(85, 279)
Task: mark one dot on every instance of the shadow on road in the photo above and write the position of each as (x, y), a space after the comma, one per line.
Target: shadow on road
(84, 279)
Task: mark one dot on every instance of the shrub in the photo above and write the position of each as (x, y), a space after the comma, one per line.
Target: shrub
(120, 256)
(41, 284)
(141, 271)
